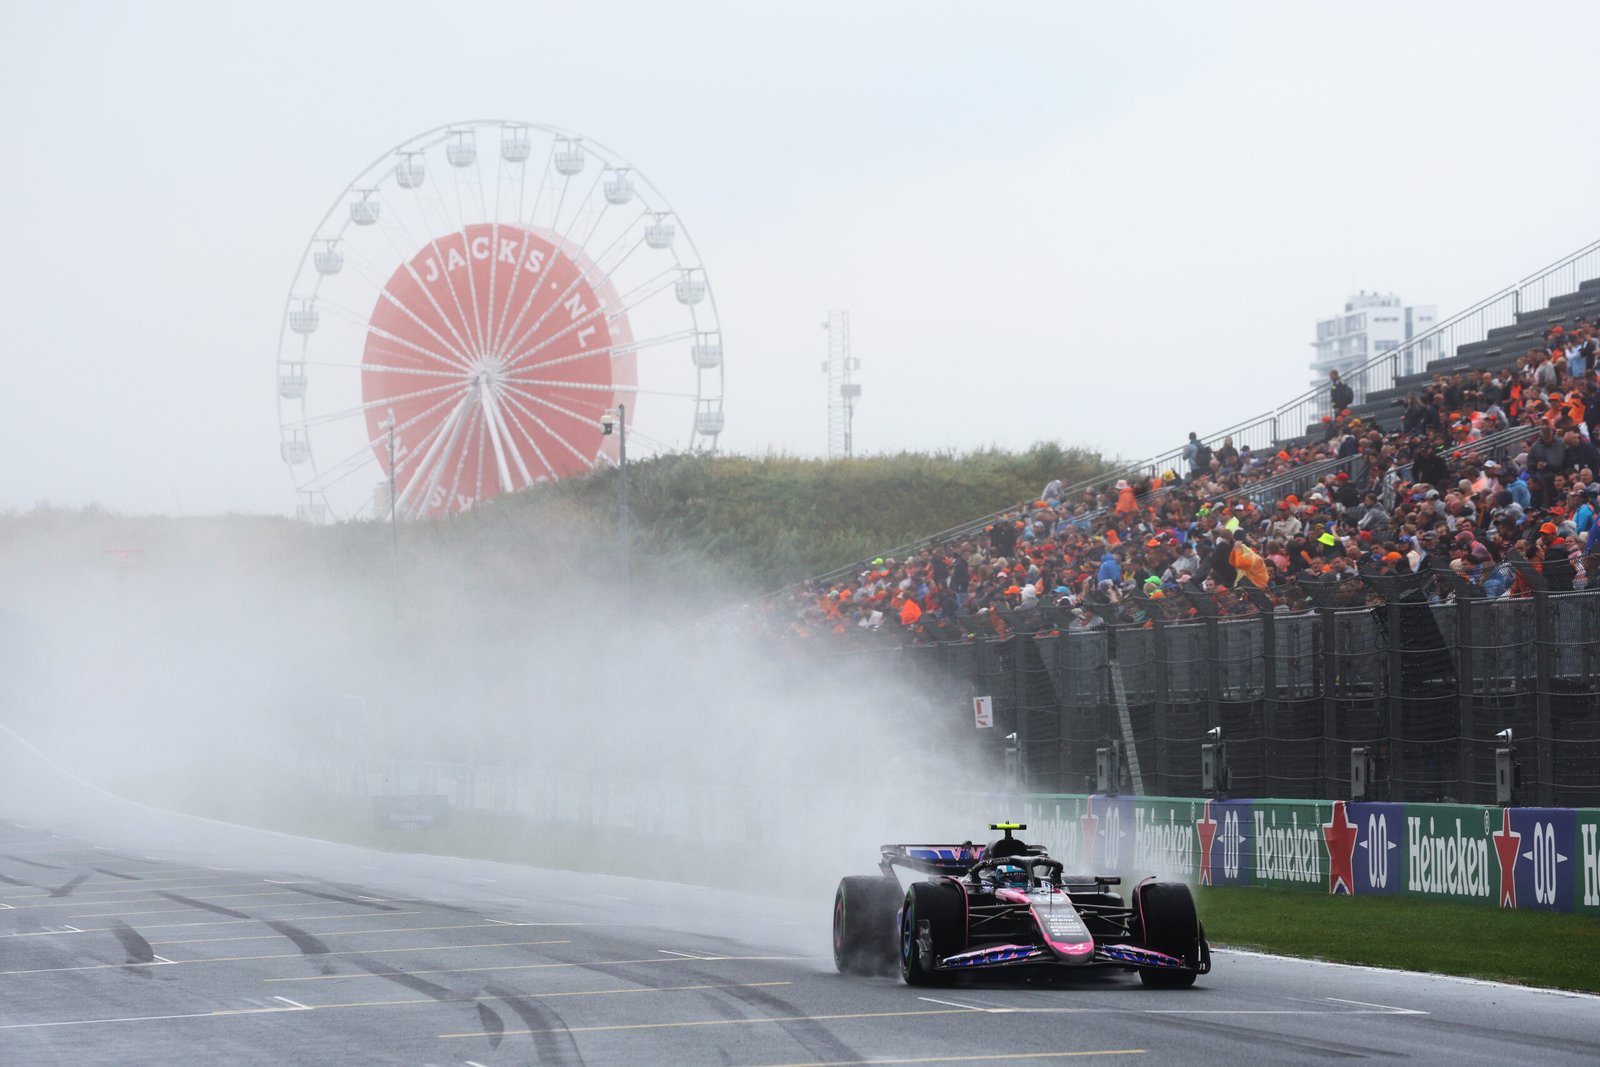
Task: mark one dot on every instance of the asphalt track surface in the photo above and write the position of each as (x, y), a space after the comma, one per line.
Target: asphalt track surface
(131, 936)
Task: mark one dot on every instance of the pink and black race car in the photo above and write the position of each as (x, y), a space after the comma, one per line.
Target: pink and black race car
(1010, 905)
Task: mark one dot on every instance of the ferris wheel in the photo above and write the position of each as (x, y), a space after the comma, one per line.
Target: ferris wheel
(470, 307)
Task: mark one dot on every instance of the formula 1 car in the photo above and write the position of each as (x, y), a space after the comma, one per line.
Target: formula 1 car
(1009, 905)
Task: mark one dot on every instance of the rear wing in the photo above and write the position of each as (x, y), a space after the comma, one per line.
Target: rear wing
(931, 859)
(957, 860)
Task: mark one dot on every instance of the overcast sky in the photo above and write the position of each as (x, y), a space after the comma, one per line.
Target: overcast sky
(1104, 226)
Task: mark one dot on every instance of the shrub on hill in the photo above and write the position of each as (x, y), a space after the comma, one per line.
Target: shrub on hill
(772, 520)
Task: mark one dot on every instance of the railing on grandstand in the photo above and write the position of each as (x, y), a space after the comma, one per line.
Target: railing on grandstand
(1291, 420)
(1300, 480)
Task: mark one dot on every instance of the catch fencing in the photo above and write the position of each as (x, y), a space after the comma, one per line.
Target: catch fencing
(1426, 684)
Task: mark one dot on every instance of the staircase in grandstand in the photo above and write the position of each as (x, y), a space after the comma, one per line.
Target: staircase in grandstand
(1491, 333)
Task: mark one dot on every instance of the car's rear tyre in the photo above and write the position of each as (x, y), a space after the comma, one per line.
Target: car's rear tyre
(940, 905)
(1168, 923)
(864, 933)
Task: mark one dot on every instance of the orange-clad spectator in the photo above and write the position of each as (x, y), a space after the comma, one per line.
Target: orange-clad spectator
(1127, 501)
(909, 612)
(1249, 565)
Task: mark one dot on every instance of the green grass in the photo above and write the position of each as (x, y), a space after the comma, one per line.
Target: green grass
(1473, 940)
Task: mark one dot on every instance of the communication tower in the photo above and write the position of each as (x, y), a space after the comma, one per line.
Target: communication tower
(843, 392)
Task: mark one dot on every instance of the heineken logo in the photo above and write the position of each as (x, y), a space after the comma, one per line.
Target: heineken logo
(1450, 863)
(1287, 853)
(1165, 848)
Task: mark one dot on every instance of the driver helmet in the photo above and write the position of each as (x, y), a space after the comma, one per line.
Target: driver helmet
(1011, 874)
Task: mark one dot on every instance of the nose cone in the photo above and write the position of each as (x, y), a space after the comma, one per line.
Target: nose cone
(1062, 927)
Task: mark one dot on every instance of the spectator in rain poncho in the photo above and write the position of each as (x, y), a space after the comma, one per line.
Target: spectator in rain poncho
(1249, 564)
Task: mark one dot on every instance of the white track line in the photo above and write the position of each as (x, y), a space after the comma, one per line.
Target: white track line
(1385, 1007)
(969, 1007)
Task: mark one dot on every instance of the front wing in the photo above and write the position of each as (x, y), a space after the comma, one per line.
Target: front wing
(1111, 955)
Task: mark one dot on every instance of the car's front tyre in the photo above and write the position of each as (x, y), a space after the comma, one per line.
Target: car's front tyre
(1168, 924)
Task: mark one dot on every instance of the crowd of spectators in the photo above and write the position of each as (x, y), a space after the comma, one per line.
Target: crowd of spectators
(1414, 494)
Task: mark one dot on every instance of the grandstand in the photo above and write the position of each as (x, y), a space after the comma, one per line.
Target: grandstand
(1410, 586)
(1500, 348)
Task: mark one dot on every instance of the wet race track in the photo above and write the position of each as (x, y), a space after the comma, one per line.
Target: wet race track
(245, 947)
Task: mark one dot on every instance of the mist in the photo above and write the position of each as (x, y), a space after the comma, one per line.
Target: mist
(219, 665)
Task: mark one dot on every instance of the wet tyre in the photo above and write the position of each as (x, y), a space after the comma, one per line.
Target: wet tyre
(940, 905)
(1167, 923)
(865, 938)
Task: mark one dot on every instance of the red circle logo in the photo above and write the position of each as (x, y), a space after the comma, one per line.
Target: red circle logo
(495, 349)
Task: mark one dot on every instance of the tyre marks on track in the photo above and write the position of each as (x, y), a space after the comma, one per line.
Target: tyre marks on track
(814, 1037)
(308, 944)
(552, 1041)
(65, 889)
(140, 954)
(204, 905)
(494, 1027)
(358, 901)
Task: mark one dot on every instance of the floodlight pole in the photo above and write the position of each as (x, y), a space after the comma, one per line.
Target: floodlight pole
(619, 422)
(394, 526)
(622, 462)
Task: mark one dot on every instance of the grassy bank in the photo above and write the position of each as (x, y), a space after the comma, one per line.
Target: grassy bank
(772, 520)
(1472, 940)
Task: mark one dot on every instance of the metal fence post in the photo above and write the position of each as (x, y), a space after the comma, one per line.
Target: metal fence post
(1015, 748)
(1395, 702)
(1330, 705)
(1213, 673)
(1543, 657)
(1269, 687)
(1465, 725)
(1158, 768)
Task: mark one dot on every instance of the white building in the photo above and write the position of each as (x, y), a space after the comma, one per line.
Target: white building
(1373, 323)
